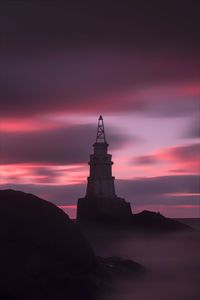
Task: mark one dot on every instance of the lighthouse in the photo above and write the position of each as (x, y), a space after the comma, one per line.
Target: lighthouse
(101, 202)
(100, 182)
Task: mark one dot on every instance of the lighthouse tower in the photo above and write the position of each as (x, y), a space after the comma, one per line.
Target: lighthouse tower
(101, 202)
(100, 181)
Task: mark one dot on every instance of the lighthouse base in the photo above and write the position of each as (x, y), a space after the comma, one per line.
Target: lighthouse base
(103, 209)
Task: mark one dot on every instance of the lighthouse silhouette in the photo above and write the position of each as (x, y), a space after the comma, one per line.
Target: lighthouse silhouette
(101, 202)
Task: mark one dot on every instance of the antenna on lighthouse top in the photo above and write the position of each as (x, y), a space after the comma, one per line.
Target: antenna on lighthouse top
(101, 137)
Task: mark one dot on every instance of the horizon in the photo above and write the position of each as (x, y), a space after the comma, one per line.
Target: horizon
(129, 63)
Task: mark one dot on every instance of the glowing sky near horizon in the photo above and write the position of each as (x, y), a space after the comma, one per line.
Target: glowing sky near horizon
(58, 77)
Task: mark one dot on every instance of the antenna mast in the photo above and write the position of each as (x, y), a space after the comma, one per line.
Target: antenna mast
(101, 137)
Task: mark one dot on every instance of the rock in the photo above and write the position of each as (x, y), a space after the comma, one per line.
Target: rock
(155, 222)
(43, 255)
(144, 222)
(115, 268)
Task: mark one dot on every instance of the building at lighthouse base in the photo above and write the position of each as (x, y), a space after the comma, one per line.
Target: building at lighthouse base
(103, 209)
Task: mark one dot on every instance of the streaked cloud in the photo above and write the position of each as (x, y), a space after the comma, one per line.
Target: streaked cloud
(158, 192)
(182, 158)
(65, 145)
(123, 60)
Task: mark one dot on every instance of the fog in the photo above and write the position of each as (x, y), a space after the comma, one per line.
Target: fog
(172, 263)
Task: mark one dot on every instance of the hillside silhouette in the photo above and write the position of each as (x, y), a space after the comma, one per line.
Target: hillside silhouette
(43, 254)
(156, 222)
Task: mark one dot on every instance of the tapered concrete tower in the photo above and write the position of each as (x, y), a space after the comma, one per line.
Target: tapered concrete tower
(101, 202)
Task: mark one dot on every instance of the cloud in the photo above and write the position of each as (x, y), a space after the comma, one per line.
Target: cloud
(74, 23)
(58, 194)
(169, 191)
(106, 57)
(186, 153)
(185, 158)
(178, 171)
(98, 82)
(162, 185)
(70, 145)
(40, 173)
(145, 160)
(166, 190)
(193, 132)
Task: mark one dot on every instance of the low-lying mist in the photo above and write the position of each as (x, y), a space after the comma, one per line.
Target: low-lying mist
(172, 263)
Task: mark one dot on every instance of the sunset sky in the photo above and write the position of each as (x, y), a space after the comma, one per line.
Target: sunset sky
(62, 65)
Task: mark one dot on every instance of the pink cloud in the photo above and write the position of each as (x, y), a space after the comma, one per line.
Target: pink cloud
(43, 174)
(190, 90)
(178, 159)
(31, 124)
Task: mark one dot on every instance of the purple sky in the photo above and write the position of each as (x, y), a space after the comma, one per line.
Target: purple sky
(62, 65)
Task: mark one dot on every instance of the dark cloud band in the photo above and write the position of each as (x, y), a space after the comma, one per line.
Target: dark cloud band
(58, 146)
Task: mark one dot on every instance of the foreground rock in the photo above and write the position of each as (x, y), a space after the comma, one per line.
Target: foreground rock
(42, 255)
(112, 268)
(115, 266)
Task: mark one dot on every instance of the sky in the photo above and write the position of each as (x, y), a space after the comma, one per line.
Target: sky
(135, 62)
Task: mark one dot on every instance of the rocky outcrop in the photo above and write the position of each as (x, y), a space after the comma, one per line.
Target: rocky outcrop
(147, 221)
(42, 255)
(95, 213)
(113, 268)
